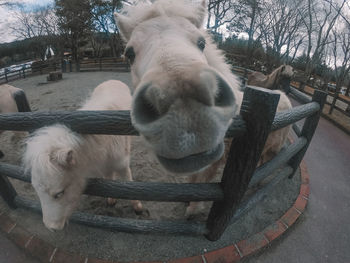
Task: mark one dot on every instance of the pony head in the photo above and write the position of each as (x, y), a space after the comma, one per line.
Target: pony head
(184, 93)
(50, 157)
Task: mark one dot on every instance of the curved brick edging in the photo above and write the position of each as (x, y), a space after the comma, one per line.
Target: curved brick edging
(45, 252)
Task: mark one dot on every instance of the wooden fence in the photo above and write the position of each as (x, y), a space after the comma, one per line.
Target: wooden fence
(44, 67)
(249, 131)
(332, 99)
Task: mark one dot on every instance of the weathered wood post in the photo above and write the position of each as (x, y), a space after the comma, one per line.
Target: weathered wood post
(258, 111)
(7, 191)
(335, 97)
(6, 76)
(309, 128)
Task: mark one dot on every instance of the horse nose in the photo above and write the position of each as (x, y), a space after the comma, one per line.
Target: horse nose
(144, 110)
(209, 89)
(219, 91)
(54, 226)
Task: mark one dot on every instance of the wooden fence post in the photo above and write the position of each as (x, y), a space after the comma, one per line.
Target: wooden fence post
(7, 191)
(258, 111)
(309, 128)
(333, 102)
(6, 76)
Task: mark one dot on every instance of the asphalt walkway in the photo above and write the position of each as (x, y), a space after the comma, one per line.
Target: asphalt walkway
(323, 234)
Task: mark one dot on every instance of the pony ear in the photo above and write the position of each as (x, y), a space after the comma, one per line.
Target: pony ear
(125, 25)
(283, 68)
(201, 13)
(63, 157)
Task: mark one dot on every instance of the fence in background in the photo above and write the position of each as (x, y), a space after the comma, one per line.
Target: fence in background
(45, 67)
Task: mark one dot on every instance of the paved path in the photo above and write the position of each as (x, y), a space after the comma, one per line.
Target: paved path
(10, 253)
(323, 233)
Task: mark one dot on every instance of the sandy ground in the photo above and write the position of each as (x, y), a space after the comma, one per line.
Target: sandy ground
(69, 94)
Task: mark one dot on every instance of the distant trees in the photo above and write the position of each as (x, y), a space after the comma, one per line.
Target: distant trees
(75, 23)
(284, 29)
(39, 25)
(103, 22)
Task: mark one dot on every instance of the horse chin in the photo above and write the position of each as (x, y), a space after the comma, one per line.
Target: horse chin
(192, 163)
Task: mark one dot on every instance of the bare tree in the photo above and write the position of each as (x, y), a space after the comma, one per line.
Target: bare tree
(321, 18)
(221, 12)
(103, 21)
(278, 26)
(39, 25)
(41, 21)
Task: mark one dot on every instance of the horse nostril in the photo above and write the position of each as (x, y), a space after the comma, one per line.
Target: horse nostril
(143, 109)
(224, 95)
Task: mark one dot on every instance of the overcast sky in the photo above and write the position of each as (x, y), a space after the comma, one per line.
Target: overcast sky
(7, 19)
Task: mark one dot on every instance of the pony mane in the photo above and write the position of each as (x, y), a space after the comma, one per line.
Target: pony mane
(41, 143)
(143, 11)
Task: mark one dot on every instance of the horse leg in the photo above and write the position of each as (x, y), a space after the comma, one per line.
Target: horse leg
(126, 173)
(206, 176)
(112, 201)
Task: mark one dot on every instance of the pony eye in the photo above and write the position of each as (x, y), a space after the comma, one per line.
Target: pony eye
(130, 54)
(58, 195)
(201, 43)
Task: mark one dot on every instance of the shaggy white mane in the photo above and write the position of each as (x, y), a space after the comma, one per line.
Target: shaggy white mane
(145, 11)
(43, 141)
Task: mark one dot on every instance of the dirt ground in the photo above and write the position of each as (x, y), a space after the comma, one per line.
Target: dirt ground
(69, 94)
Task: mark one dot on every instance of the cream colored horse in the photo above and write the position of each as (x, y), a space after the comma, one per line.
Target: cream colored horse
(12, 99)
(280, 77)
(184, 93)
(61, 161)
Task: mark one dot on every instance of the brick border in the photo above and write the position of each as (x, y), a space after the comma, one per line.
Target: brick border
(45, 252)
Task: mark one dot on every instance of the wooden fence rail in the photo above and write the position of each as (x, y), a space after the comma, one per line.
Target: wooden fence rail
(250, 130)
(44, 67)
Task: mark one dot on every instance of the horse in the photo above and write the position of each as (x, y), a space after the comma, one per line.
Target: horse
(60, 160)
(184, 93)
(279, 79)
(12, 99)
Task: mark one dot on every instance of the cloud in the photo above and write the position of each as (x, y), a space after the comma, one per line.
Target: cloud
(8, 19)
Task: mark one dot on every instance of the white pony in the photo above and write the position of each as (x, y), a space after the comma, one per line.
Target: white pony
(185, 94)
(61, 161)
(12, 99)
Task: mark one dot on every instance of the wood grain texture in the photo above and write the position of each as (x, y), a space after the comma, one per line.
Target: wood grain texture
(258, 111)
(309, 127)
(262, 193)
(285, 118)
(7, 191)
(147, 191)
(123, 224)
(280, 159)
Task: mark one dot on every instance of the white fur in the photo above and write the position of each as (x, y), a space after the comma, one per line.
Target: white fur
(183, 81)
(7, 103)
(60, 159)
(164, 37)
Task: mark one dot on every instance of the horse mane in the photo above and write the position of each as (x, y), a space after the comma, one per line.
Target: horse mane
(195, 14)
(171, 8)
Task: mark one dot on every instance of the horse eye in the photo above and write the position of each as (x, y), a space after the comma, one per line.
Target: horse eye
(130, 54)
(201, 43)
(59, 195)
